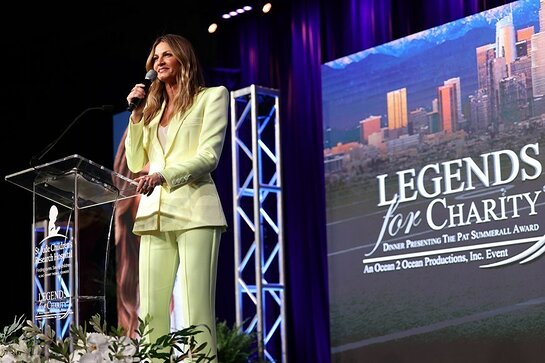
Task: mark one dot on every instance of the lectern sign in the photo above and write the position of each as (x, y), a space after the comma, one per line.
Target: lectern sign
(53, 271)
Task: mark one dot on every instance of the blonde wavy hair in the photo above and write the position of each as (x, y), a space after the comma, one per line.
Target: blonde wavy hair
(190, 78)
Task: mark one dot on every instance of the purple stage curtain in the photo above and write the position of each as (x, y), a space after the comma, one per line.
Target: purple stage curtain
(304, 197)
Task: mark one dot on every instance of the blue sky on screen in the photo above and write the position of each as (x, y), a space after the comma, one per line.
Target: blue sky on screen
(354, 87)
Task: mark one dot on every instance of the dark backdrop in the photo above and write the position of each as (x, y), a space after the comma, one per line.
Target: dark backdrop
(60, 59)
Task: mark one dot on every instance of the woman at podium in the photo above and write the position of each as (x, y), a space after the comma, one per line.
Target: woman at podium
(177, 128)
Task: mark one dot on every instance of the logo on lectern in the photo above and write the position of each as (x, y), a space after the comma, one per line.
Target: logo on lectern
(52, 268)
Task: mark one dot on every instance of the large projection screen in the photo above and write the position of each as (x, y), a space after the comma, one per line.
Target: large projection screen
(434, 148)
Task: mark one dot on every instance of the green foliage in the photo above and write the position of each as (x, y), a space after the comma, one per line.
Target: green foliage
(41, 345)
(234, 345)
(7, 335)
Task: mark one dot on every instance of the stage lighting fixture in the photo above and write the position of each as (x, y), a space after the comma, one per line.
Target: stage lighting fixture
(239, 11)
(266, 8)
(212, 28)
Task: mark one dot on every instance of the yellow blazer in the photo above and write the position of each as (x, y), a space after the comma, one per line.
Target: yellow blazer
(188, 198)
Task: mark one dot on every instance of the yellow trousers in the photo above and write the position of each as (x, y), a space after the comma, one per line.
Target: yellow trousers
(194, 253)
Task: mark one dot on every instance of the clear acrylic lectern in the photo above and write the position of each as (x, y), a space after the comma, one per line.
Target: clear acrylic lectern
(73, 205)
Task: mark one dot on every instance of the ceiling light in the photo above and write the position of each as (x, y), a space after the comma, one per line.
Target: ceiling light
(267, 7)
(212, 28)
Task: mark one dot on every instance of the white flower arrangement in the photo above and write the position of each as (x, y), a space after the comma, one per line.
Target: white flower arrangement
(36, 345)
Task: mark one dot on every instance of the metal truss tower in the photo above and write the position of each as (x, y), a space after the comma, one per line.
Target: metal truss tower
(258, 226)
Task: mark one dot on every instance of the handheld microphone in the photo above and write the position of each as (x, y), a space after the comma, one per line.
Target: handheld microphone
(36, 158)
(150, 77)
